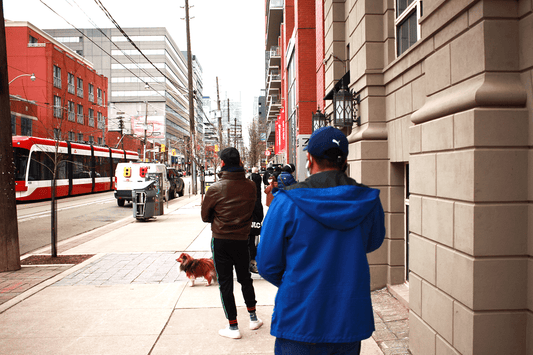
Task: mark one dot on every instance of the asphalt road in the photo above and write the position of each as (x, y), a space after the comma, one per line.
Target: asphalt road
(76, 215)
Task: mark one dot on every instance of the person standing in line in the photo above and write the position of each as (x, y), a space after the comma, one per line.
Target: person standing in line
(313, 247)
(286, 179)
(267, 175)
(257, 220)
(228, 205)
(270, 189)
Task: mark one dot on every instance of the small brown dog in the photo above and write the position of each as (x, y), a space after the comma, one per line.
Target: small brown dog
(197, 268)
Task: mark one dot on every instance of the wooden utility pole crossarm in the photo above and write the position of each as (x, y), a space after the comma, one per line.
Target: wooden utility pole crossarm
(9, 239)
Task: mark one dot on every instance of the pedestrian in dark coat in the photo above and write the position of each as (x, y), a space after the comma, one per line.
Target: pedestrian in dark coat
(257, 220)
(228, 205)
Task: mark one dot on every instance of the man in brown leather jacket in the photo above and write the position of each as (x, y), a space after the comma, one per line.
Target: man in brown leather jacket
(228, 205)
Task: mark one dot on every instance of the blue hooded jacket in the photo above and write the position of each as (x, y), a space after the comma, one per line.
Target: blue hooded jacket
(313, 246)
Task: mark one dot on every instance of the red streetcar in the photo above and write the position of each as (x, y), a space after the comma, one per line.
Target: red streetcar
(81, 168)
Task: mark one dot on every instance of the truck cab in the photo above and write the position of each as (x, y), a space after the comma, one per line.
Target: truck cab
(129, 176)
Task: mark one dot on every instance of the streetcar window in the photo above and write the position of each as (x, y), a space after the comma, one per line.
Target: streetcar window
(62, 170)
(101, 166)
(115, 162)
(41, 166)
(81, 167)
(20, 157)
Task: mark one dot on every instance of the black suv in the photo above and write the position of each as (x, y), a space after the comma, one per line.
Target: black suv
(176, 183)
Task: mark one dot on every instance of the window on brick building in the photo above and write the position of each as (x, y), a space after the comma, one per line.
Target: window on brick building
(91, 118)
(99, 94)
(408, 12)
(57, 77)
(32, 40)
(71, 87)
(71, 113)
(57, 133)
(71, 136)
(13, 125)
(58, 110)
(80, 114)
(25, 126)
(80, 137)
(80, 87)
(91, 92)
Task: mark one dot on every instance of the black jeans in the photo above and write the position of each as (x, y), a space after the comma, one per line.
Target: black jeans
(227, 254)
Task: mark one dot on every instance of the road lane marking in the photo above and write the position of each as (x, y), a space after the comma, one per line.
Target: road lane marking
(48, 213)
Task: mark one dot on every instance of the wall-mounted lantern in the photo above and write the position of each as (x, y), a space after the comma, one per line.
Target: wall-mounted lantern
(346, 108)
(319, 120)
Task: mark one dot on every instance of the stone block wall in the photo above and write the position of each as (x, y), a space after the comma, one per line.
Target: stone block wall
(457, 108)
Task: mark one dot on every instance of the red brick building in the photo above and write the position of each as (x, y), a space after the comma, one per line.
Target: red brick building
(65, 98)
(293, 73)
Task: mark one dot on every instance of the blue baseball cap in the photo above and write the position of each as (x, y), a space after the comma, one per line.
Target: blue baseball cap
(326, 138)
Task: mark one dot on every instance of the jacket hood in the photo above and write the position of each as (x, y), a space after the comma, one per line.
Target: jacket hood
(340, 207)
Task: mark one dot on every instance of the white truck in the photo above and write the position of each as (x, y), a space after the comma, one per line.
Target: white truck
(129, 176)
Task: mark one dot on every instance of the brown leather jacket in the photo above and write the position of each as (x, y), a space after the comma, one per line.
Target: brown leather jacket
(228, 205)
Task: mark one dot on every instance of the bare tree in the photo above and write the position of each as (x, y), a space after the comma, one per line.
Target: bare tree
(254, 133)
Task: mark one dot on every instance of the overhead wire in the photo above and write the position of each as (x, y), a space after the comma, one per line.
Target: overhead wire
(111, 56)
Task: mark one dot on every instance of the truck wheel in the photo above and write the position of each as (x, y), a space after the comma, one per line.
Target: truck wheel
(121, 202)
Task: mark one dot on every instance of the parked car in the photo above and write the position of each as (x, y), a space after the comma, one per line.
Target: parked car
(177, 186)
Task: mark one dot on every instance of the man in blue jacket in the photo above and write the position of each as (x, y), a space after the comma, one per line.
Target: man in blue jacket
(313, 246)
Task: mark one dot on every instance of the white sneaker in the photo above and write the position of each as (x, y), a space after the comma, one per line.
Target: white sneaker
(230, 333)
(256, 324)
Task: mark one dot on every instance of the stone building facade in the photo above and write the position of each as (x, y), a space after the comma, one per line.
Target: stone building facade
(446, 135)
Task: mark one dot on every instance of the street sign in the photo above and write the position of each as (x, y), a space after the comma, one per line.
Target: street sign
(267, 153)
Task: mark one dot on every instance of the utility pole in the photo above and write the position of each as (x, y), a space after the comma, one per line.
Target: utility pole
(145, 126)
(9, 237)
(220, 142)
(235, 131)
(191, 98)
(229, 125)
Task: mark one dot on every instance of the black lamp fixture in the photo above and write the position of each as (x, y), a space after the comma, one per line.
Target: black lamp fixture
(346, 104)
(319, 120)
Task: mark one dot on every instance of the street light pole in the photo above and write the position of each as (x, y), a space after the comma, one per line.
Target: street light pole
(32, 77)
(145, 125)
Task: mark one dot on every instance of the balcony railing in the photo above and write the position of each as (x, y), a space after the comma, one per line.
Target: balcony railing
(100, 101)
(71, 89)
(91, 97)
(80, 92)
(275, 51)
(80, 118)
(71, 116)
(91, 121)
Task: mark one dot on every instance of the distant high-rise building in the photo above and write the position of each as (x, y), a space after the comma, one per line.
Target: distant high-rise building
(151, 86)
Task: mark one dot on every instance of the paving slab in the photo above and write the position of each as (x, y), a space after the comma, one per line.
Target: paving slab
(209, 296)
(198, 329)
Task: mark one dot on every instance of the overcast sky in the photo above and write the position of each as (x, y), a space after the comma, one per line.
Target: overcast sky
(227, 36)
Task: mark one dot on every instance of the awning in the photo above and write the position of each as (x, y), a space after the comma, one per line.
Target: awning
(345, 80)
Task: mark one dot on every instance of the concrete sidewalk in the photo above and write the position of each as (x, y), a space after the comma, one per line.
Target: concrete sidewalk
(130, 298)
